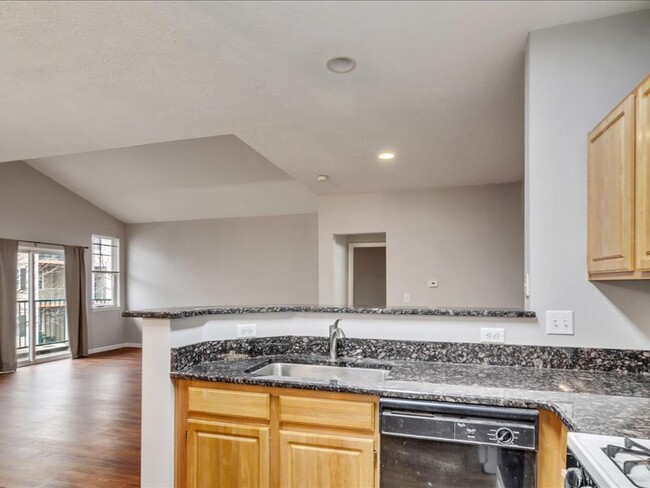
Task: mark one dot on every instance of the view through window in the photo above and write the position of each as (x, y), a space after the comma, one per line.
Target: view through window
(105, 271)
(41, 314)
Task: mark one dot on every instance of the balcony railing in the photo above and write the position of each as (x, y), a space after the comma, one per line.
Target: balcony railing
(50, 323)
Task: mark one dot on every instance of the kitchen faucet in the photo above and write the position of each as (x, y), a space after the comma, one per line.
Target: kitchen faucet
(336, 333)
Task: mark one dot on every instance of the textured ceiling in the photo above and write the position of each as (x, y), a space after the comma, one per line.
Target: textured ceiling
(211, 177)
(440, 83)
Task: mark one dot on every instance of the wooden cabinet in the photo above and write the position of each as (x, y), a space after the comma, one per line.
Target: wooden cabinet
(235, 455)
(321, 461)
(552, 447)
(618, 191)
(248, 436)
(643, 176)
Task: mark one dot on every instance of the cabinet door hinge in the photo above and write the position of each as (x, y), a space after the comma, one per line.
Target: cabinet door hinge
(374, 455)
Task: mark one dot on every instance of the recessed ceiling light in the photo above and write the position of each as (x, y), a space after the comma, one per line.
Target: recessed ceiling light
(386, 156)
(341, 64)
(322, 178)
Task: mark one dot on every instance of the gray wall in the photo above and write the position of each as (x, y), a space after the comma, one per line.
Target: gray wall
(576, 74)
(469, 238)
(241, 261)
(34, 207)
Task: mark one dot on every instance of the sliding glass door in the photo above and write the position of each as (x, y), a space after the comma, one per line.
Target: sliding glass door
(41, 319)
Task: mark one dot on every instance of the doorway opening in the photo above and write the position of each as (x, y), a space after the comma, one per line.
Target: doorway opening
(367, 274)
(360, 270)
(42, 332)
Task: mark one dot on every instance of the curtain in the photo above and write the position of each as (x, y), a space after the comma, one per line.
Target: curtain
(75, 296)
(8, 296)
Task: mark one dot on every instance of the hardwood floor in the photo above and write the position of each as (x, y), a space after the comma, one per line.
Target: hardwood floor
(69, 423)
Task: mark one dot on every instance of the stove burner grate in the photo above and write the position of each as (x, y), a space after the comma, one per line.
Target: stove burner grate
(640, 457)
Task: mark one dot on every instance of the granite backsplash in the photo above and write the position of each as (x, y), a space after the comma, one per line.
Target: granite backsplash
(587, 359)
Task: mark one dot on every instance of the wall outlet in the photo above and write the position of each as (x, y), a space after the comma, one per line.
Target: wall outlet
(407, 298)
(246, 330)
(493, 335)
(433, 283)
(559, 322)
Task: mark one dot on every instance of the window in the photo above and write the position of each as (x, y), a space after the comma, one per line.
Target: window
(106, 272)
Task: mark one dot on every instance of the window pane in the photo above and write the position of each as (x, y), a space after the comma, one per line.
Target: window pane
(105, 289)
(105, 253)
(105, 266)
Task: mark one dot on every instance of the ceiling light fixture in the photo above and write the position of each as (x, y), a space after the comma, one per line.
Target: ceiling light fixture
(386, 156)
(341, 64)
(322, 178)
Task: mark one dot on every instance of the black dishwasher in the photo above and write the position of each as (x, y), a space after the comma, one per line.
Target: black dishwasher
(447, 445)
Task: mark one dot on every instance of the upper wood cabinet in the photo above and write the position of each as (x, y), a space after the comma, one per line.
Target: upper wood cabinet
(643, 176)
(619, 191)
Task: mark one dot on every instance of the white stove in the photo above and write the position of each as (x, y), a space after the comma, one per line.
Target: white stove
(609, 462)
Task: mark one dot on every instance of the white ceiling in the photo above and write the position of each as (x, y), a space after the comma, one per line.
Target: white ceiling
(440, 83)
(211, 177)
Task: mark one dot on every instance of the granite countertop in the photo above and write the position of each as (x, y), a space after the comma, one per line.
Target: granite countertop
(594, 402)
(185, 312)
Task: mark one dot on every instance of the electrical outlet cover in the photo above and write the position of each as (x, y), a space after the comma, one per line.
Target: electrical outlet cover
(246, 330)
(496, 335)
(559, 322)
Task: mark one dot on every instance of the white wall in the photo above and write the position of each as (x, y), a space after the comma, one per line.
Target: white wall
(34, 207)
(576, 74)
(241, 261)
(469, 238)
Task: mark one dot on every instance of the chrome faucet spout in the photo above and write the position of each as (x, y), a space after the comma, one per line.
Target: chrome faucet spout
(336, 333)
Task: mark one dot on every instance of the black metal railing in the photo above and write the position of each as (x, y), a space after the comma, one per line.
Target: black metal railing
(50, 322)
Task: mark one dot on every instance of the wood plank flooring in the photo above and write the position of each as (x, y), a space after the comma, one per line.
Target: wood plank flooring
(70, 423)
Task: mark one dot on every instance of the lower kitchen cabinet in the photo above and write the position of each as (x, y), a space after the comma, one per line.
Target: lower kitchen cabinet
(236, 436)
(234, 454)
(320, 461)
(240, 436)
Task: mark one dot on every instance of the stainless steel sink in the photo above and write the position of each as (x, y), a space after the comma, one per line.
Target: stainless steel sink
(320, 372)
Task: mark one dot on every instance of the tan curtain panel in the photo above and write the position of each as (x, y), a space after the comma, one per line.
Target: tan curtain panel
(76, 303)
(8, 272)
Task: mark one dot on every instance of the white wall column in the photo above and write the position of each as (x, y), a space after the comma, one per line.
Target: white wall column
(157, 468)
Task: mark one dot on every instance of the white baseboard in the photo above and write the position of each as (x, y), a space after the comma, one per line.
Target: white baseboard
(112, 347)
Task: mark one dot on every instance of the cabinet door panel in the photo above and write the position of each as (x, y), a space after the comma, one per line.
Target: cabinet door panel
(643, 176)
(611, 191)
(325, 461)
(227, 455)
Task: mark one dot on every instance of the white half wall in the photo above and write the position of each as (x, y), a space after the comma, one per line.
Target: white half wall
(393, 327)
(470, 239)
(576, 74)
(34, 207)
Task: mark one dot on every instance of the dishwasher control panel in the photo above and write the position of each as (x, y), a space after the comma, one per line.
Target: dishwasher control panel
(493, 432)
(456, 427)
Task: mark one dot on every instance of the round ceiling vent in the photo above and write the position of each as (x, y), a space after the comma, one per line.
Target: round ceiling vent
(341, 65)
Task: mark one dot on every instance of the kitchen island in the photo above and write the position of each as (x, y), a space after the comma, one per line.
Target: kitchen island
(590, 390)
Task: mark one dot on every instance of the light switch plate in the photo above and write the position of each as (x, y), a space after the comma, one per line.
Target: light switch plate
(407, 298)
(559, 322)
(246, 330)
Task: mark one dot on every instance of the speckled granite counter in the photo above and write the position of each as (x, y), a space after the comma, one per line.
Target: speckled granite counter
(185, 312)
(596, 402)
